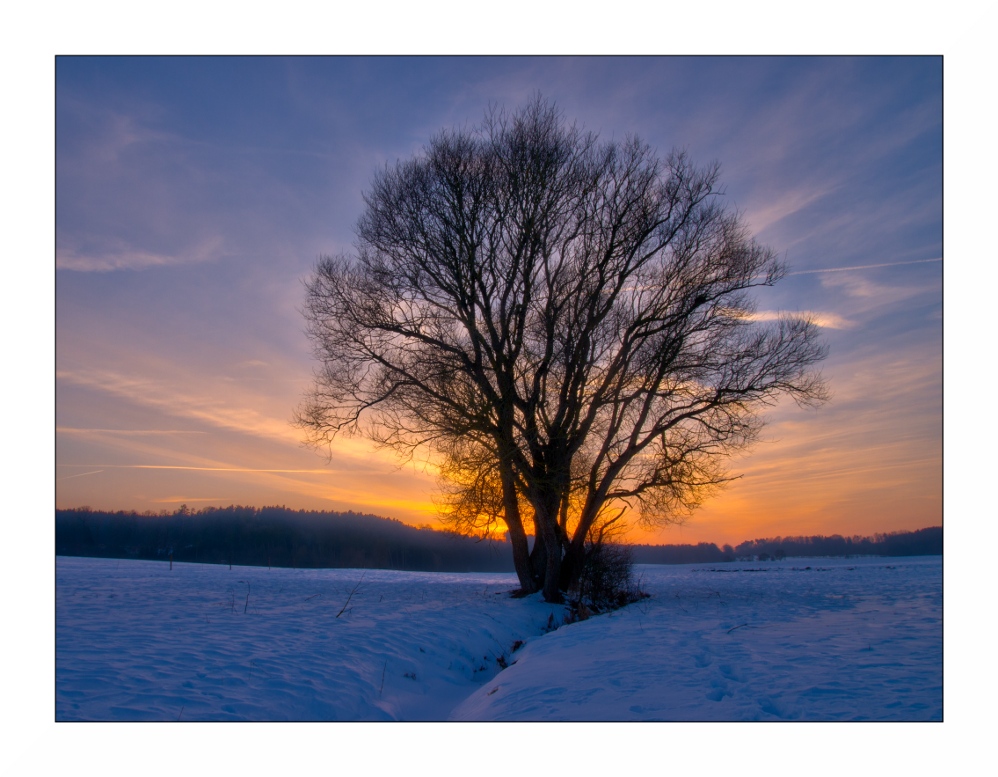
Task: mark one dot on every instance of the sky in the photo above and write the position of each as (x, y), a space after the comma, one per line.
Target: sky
(194, 195)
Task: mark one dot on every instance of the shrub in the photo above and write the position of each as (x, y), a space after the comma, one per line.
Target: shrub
(606, 580)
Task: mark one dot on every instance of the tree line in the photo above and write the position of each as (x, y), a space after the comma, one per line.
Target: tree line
(924, 542)
(273, 536)
(280, 537)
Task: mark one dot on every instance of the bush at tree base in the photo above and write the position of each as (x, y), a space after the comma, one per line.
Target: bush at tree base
(606, 581)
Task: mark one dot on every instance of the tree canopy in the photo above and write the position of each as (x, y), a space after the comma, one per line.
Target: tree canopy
(565, 323)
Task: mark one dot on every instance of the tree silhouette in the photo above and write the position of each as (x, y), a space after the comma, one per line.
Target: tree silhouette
(564, 323)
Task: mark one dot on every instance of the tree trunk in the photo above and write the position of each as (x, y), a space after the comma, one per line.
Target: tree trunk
(517, 536)
(571, 565)
(575, 552)
(552, 570)
(546, 529)
(521, 557)
(538, 557)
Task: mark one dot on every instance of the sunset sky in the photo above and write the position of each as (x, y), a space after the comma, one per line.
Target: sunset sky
(194, 195)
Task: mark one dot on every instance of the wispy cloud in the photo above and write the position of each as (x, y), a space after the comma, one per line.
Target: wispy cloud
(185, 499)
(122, 256)
(98, 136)
(214, 411)
(823, 319)
(859, 294)
(221, 409)
(761, 217)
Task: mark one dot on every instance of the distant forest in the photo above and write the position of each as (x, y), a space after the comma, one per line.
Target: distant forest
(274, 536)
(277, 536)
(924, 542)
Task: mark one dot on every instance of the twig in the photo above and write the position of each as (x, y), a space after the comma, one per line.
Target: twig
(737, 627)
(247, 598)
(312, 596)
(385, 667)
(342, 609)
(181, 712)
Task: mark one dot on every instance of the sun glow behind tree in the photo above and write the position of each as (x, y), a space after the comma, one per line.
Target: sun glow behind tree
(565, 321)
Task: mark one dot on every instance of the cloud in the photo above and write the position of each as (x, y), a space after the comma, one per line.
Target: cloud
(221, 409)
(760, 218)
(185, 499)
(216, 412)
(94, 135)
(823, 319)
(868, 293)
(122, 256)
(869, 460)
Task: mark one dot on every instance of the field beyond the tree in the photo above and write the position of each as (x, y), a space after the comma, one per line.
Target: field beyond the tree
(800, 639)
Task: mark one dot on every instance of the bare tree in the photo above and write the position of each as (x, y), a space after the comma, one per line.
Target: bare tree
(566, 323)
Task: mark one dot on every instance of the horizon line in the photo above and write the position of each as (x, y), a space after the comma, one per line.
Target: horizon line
(502, 538)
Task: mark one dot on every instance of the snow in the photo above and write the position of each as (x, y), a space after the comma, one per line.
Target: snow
(806, 640)
(801, 639)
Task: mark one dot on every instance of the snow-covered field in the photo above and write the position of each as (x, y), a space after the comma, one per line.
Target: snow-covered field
(801, 639)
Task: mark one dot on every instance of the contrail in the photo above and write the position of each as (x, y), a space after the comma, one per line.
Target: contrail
(73, 430)
(864, 266)
(216, 469)
(96, 471)
(198, 469)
